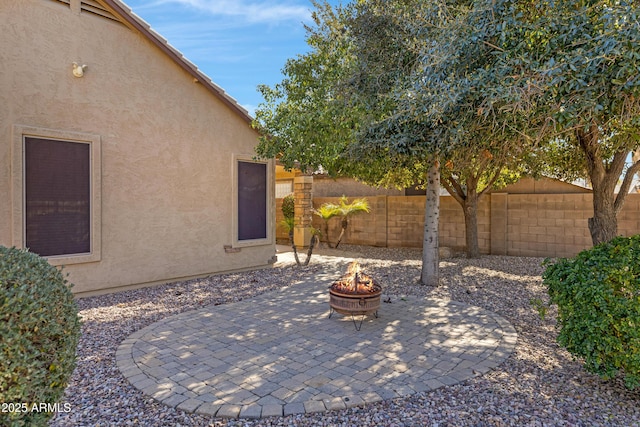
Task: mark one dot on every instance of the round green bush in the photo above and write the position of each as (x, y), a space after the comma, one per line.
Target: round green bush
(39, 332)
(598, 299)
(288, 206)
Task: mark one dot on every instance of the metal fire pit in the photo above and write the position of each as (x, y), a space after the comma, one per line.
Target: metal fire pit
(355, 304)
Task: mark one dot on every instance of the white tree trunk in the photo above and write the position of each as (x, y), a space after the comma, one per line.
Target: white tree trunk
(430, 274)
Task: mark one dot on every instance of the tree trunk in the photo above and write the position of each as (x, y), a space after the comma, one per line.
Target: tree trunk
(294, 247)
(604, 176)
(430, 274)
(325, 231)
(312, 243)
(470, 209)
(604, 223)
(344, 225)
(467, 198)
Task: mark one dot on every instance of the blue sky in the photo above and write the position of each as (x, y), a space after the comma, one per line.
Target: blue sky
(239, 44)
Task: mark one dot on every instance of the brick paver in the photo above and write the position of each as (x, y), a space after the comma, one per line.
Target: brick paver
(280, 354)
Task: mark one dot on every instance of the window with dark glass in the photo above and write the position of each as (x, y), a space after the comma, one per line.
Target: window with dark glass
(252, 200)
(57, 196)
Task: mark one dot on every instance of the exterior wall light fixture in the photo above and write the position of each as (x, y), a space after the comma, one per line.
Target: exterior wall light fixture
(78, 70)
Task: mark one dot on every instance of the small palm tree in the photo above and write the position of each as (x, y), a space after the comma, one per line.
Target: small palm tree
(346, 210)
(326, 212)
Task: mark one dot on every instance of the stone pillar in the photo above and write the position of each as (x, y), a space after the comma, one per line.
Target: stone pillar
(303, 209)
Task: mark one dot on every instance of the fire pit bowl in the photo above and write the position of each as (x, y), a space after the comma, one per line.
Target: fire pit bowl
(355, 294)
(355, 304)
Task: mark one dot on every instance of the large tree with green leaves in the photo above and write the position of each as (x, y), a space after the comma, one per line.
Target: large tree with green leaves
(458, 90)
(389, 89)
(404, 144)
(558, 76)
(457, 85)
(580, 62)
(304, 121)
(445, 84)
(333, 110)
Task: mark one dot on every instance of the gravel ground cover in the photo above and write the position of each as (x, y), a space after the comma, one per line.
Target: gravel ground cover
(539, 385)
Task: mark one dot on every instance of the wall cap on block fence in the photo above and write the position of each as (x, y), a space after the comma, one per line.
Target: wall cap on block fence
(303, 179)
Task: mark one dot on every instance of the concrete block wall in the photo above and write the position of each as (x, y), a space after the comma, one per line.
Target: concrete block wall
(629, 216)
(363, 229)
(405, 219)
(544, 225)
(452, 228)
(553, 225)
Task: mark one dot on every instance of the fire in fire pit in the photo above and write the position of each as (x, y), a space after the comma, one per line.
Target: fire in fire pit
(355, 294)
(355, 282)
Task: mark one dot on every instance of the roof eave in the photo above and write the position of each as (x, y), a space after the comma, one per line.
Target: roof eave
(137, 23)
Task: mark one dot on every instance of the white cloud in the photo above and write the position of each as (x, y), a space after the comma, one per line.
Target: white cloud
(251, 12)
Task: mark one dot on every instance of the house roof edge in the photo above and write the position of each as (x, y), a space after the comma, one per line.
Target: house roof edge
(133, 20)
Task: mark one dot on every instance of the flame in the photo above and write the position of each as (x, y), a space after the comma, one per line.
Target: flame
(355, 281)
(354, 268)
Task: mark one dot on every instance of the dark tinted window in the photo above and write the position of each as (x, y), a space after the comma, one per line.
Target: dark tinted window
(252, 201)
(57, 197)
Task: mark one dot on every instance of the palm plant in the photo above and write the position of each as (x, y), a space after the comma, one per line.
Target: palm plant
(346, 210)
(327, 211)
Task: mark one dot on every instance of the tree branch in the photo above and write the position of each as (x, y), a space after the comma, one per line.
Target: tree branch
(626, 184)
(493, 45)
(491, 181)
(588, 142)
(452, 186)
(617, 164)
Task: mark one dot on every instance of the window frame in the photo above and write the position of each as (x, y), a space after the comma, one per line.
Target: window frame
(20, 133)
(289, 182)
(270, 202)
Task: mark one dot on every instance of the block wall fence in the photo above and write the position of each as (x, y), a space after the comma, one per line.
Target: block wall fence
(541, 225)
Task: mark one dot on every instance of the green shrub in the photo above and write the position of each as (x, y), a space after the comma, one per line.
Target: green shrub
(39, 332)
(288, 207)
(598, 298)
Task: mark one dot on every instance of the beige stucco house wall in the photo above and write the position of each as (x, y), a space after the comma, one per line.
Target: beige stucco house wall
(165, 144)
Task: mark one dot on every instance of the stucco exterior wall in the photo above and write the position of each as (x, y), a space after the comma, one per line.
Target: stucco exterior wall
(168, 145)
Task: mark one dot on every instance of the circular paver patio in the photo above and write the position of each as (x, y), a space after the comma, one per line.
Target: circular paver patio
(280, 353)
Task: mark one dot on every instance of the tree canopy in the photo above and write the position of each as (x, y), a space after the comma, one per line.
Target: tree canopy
(336, 109)
(584, 58)
(304, 121)
(393, 89)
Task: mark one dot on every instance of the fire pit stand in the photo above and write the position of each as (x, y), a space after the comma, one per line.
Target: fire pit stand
(355, 294)
(354, 305)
